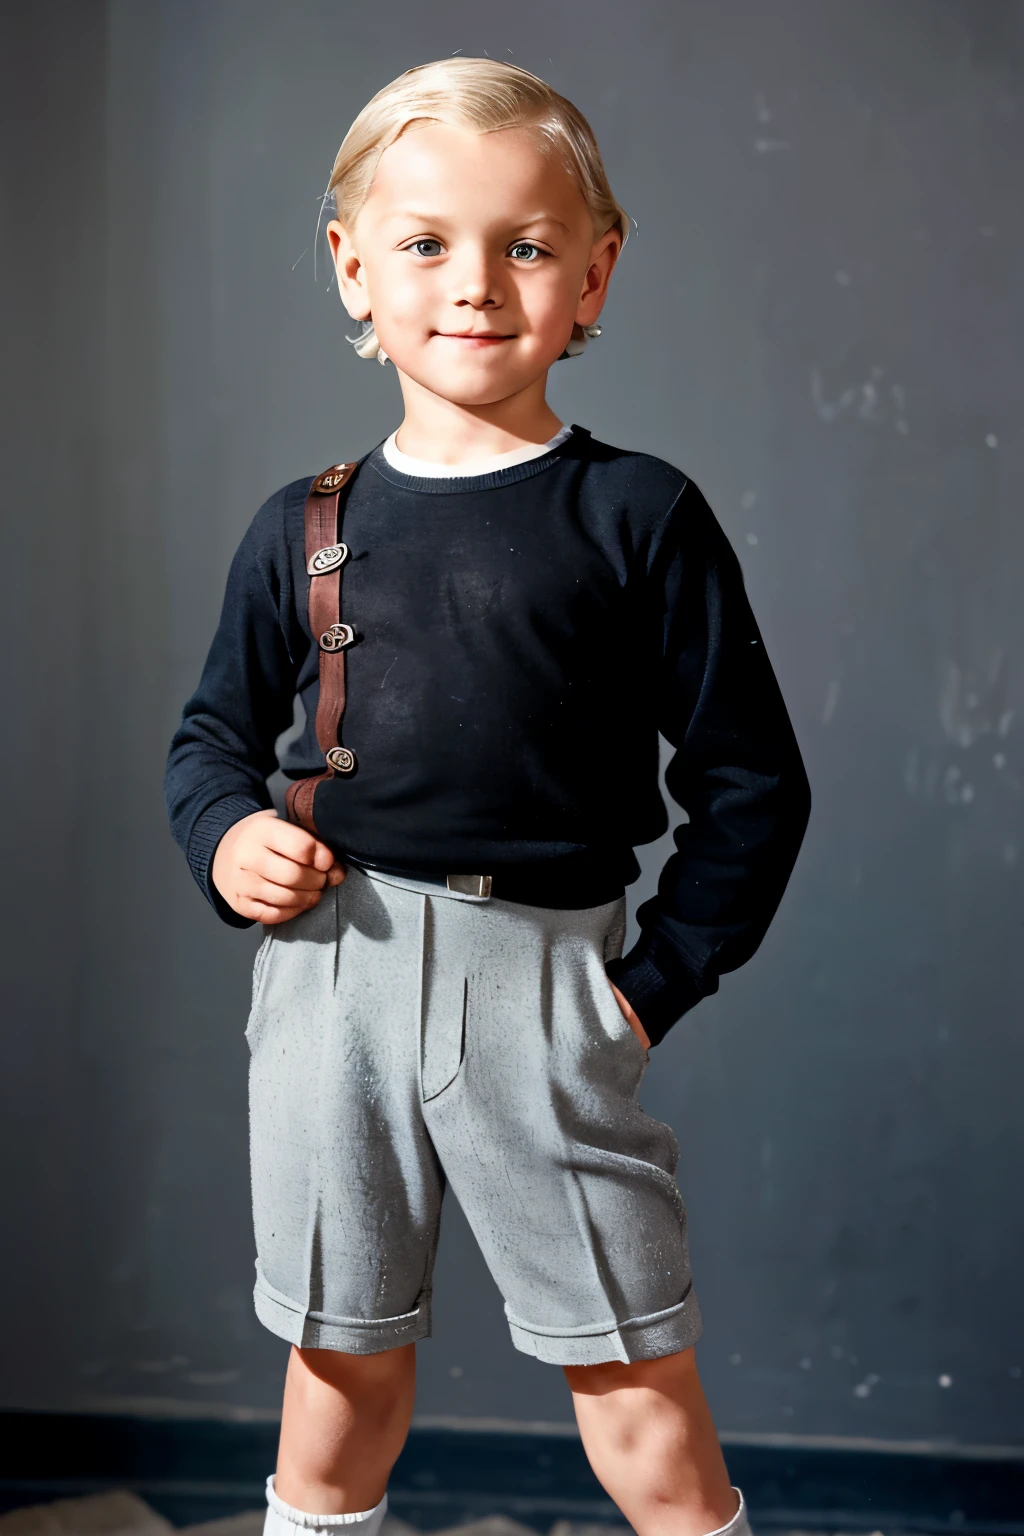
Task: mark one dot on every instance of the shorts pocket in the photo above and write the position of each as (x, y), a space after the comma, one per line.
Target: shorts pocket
(626, 1025)
(614, 941)
(616, 1025)
(615, 936)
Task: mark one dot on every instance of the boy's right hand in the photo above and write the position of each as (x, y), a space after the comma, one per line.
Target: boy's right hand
(271, 870)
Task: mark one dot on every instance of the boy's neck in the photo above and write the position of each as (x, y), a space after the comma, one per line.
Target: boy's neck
(448, 433)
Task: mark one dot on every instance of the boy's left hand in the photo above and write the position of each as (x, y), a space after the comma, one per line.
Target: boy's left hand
(631, 1018)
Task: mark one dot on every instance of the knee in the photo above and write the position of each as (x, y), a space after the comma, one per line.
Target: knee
(378, 1385)
(613, 1375)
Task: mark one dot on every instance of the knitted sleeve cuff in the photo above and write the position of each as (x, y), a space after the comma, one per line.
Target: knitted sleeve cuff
(658, 1002)
(207, 832)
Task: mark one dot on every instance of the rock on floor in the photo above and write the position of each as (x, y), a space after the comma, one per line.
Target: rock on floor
(98, 1514)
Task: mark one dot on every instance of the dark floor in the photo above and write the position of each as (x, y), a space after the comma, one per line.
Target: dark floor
(109, 1475)
(124, 1514)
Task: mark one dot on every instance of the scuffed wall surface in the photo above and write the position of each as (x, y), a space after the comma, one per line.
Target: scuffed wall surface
(820, 319)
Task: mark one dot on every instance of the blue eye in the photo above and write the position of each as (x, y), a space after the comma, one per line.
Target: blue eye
(532, 251)
(418, 245)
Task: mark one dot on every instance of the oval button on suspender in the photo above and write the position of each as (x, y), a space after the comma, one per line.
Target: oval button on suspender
(337, 637)
(327, 560)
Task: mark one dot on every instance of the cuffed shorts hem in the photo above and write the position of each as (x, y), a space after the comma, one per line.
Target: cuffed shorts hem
(351, 1335)
(638, 1338)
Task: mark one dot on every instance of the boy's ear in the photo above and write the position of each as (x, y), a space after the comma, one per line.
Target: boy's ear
(595, 285)
(350, 270)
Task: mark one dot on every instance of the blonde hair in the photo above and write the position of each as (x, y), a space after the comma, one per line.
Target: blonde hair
(481, 94)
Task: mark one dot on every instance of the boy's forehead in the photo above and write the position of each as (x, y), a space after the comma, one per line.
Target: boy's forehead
(433, 161)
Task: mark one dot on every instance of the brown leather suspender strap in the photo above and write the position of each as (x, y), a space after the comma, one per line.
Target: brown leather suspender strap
(325, 555)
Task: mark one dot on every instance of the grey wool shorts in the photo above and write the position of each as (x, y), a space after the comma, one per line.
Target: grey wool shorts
(403, 1038)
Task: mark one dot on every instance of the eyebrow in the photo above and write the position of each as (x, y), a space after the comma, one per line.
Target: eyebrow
(420, 217)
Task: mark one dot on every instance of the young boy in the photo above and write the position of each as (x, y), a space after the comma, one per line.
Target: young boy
(502, 613)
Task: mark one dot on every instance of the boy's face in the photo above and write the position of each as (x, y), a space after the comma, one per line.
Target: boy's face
(475, 254)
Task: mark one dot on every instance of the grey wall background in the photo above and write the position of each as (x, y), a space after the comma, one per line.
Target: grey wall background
(820, 319)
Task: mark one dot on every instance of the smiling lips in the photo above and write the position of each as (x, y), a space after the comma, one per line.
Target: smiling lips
(480, 338)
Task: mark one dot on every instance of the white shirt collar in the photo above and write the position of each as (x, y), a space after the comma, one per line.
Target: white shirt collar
(431, 470)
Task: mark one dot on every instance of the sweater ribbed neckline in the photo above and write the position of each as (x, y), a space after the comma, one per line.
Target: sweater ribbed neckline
(447, 485)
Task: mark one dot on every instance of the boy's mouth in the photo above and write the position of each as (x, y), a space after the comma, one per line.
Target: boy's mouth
(476, 338)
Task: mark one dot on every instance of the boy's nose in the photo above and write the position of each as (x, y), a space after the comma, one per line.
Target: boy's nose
(478, 296)
(478, 285)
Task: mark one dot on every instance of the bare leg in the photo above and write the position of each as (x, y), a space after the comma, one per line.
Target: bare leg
(649, 1436)
(344, 1421)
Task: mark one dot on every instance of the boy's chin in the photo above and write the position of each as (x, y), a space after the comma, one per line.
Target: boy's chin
(476, 386)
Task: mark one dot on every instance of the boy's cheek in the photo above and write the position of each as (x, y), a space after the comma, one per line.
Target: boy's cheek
(408, 311)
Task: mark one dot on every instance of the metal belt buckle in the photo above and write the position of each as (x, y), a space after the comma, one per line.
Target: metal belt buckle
(470, 885)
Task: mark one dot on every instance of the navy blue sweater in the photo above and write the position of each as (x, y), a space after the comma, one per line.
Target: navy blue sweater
(522, 638)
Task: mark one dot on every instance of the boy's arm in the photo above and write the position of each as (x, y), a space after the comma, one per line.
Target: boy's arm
(223, 751)
(737, 771)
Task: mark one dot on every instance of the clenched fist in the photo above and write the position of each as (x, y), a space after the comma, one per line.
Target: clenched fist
(271, 870)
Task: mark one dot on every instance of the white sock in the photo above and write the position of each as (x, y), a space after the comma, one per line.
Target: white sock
(738, 1525)
(283, 1520)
